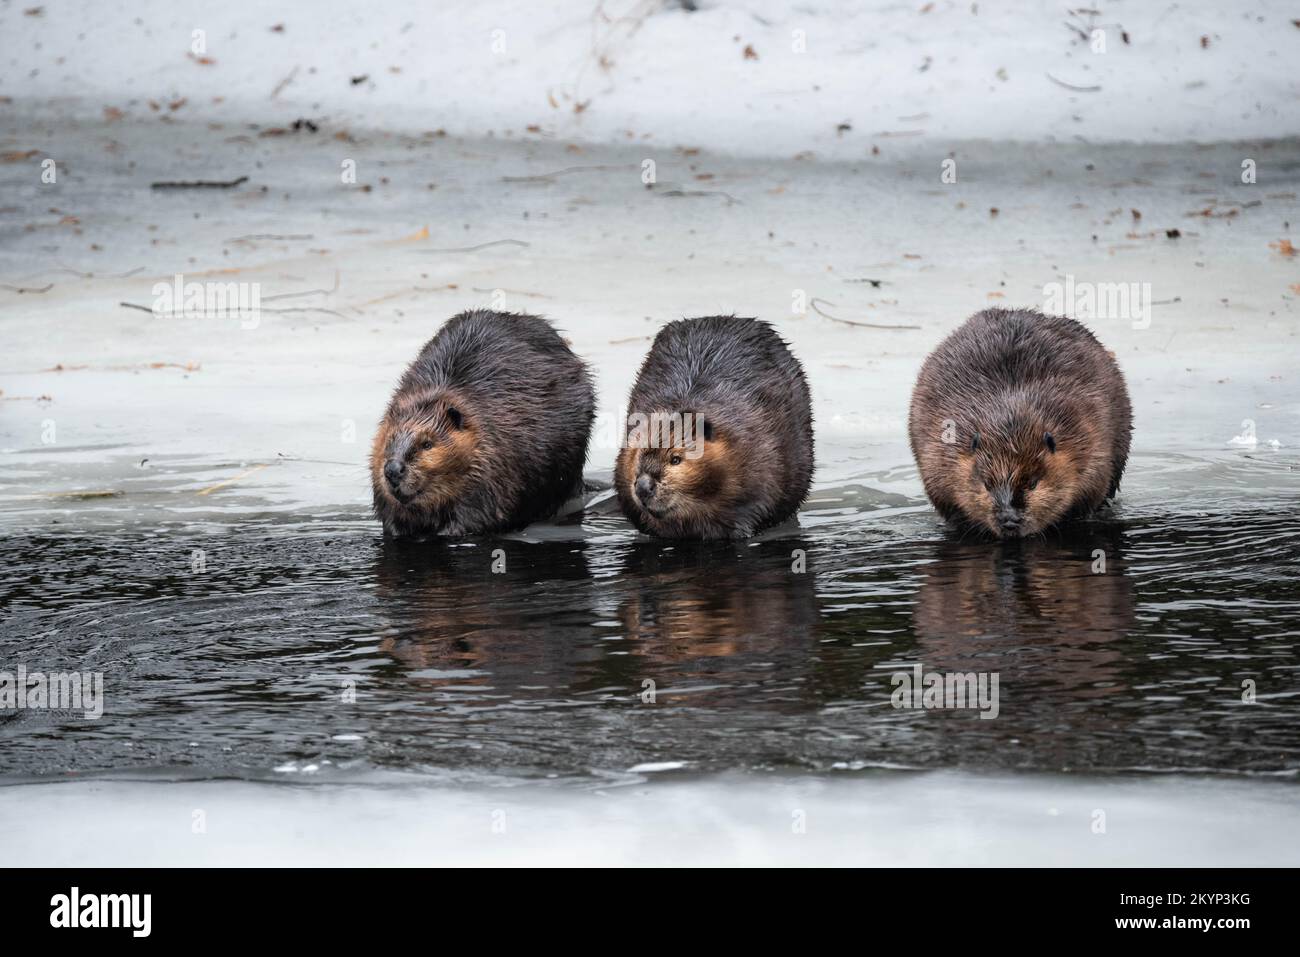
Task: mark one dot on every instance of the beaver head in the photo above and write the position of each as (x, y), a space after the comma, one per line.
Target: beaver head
(424, 453)
(1022, 477)
(681, 487)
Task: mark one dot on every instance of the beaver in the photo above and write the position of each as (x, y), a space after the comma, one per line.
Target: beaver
(1019, 421)
(720, 441)
(487, 430)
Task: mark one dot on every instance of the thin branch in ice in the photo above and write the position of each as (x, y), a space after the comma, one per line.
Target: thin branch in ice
(306, 292)
(1071, 86)
(254, 237)
(514, 292)
(851, 322)
(279, 87)
(199, 184)
(474, 249)
(568, 170)
(199, 315)
(675, 189)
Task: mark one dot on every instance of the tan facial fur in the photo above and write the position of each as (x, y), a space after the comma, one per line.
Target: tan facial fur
(676, 487)
(1021, 480)
(435, 444)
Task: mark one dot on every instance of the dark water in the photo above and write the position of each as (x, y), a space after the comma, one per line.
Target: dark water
(539, 670)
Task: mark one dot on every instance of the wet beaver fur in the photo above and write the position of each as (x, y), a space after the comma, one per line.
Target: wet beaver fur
(1019, 421)
(486, 432)
(743, 459)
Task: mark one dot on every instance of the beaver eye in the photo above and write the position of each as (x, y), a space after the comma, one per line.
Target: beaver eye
(1033, 484)
(675, 460)
(426, 444)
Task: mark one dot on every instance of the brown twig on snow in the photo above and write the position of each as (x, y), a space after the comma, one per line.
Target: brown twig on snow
(674, 189)
(474, 249)
(199, 184)
(24, 289)
(183, 315)
(1071, 86)
(306, 292)
(279, 87)
(850, 322)
(59, 267)
(514, 292)
(568, 170)
(254, 237)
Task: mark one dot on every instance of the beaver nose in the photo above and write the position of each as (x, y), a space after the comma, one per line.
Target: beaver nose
(645, 488)
(394, 471)
(1009, 522)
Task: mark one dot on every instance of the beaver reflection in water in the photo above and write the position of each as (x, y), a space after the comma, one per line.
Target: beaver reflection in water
(1050, 615)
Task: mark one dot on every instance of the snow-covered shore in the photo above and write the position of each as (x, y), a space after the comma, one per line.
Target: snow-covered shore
(922, 820)
(835, 77)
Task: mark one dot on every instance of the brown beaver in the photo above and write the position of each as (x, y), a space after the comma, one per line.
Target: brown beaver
(1019, 421)
(720, 441)
(487, 431)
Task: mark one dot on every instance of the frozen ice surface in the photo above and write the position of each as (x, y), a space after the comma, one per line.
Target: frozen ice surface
(940, 819)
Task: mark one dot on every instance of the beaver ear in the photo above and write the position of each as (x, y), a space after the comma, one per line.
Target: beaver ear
(975, 442)
(1049, 441)
(455, 418)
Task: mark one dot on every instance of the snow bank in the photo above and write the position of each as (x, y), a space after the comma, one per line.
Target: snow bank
(924, 820)
(762, 77)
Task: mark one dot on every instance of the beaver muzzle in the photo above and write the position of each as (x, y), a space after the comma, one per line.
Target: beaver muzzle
(647, 494)
(1007, 517)
(645, 489)
(395, 472)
